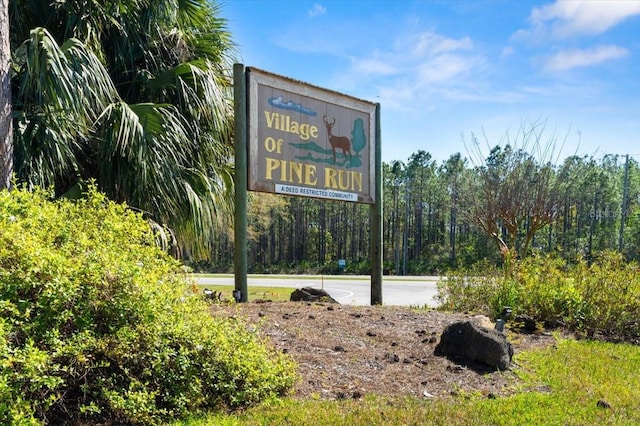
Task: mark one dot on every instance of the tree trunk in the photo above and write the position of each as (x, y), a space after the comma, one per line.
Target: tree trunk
(6, 123)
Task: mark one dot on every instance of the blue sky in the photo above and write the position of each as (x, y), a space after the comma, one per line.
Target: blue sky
(444, 70)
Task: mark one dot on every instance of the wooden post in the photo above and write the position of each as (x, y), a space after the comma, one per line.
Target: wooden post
(240, 181)
(375, 216)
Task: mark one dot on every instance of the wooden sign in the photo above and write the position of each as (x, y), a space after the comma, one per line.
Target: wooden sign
(309, 142)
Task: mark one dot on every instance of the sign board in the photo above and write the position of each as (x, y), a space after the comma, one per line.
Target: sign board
(308, 141)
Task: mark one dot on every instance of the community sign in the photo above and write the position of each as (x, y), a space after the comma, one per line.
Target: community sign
(308, 141)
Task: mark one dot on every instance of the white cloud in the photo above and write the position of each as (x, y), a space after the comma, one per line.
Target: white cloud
(422, 59)
(569, 59)
(418, 69)
(566, 18)
(406, 70)
(433, 56)
(434, 44)
(507, 51)
(317, 9)
(443, 68)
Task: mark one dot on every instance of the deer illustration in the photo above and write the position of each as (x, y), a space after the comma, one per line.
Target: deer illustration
(340, 142)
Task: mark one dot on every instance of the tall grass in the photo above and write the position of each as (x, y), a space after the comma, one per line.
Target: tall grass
(602, 298)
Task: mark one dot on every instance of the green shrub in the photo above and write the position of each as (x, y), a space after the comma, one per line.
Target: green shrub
(99, 325)
(611, 297)
(601, 298)
(469, 290)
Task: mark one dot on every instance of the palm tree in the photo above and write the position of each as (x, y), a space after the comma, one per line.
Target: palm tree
(134, 95)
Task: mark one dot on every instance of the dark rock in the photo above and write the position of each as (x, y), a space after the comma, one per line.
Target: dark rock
(392, 357)
(525, 323)
(468, 341)
(339, 348)
(310, 294)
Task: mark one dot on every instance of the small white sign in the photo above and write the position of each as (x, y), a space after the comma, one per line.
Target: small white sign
(304, 191)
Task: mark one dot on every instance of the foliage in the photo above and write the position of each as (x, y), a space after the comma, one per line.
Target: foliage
(602, 298)
(468, 289)
(99, 325)
(514, 194)
(135, 95)
(559, 385)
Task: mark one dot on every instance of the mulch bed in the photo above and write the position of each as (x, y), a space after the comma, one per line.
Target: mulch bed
(346, 351)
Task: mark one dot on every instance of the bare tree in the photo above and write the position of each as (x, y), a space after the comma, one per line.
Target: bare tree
(6, 124)
(514, 192)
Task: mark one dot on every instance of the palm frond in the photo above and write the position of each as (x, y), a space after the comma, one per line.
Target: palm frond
(62, 90)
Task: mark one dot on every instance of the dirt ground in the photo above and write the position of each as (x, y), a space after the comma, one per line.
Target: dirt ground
(346, 351)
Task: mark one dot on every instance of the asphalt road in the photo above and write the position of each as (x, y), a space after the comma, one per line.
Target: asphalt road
(347, 289)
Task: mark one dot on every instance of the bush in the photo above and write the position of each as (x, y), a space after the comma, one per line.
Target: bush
(610, 291)
(99, 325)
(469, 290)
(602, 298)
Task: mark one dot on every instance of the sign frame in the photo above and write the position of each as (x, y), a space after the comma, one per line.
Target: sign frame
(353, 181)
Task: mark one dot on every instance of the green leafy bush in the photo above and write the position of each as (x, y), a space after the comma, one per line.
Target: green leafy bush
(98, 324)
(602, 298)
(469, 290)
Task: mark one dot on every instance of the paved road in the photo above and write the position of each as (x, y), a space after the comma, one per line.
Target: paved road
(348, 289)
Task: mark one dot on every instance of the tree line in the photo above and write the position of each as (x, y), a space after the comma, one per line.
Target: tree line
(454, 214)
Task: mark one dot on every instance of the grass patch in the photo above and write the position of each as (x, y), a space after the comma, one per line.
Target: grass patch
(276, 294)
(561, 385)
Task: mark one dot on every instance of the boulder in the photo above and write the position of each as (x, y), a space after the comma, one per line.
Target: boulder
(525, 324)
(471, 342)
(310, 294)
